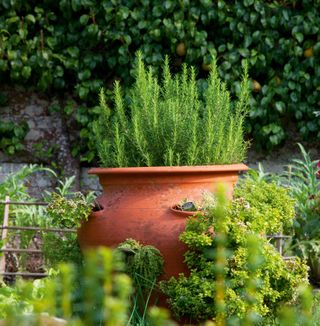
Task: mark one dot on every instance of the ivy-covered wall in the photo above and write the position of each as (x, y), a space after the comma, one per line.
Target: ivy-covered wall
(78, 46)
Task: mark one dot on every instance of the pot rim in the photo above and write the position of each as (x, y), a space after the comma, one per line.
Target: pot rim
(171, 169)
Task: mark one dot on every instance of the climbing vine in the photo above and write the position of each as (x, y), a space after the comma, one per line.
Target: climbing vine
(79, 46)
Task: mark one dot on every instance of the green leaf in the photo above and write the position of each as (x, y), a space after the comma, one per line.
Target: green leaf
(285, 14)
(10, 150)
(294, 97)
(226, 65)
(124, 12)
(291, 85)
(83, 92)
(93, 29)
(84, 74)
(244, 52)
(299, 37)
(26, 72)
(30, 18)
(73, 51)
(280, 107)
(84, 19)
(12, 20)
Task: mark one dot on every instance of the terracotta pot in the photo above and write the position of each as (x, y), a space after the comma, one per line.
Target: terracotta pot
(137, 203)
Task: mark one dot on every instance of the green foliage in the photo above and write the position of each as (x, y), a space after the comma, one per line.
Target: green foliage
(68, 212)
(231, 260)
(12, 135)
(79, 46)
(142, 262)
(269, 208)
(167, 123)
(19, 299)
(15, 186)
(305, 188)
(100, 297)
(96, 294)
(65, 210)
(61, 248)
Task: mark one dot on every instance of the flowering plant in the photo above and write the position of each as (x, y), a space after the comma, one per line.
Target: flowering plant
(69, 212)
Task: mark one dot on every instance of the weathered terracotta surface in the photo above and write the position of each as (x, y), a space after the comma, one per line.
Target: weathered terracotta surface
(137, 203)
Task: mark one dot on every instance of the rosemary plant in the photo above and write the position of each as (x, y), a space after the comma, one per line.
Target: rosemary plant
(168, 122)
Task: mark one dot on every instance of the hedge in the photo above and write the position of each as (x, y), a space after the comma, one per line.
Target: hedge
(78, 46)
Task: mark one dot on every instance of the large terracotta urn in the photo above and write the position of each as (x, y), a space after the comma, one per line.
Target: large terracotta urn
(137, 203)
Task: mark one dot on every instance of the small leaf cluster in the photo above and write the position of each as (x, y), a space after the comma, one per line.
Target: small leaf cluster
(269, 208)
(257, 279)
(68, 212)
(12, 136)
(81, 45)
(64, 212)
(143, 263)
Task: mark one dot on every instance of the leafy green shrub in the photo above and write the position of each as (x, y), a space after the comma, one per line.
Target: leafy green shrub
(269, 208)
(142, 262)
(304, 186)
(229, 243)
(81, 45)
(18, 299)
(168, 124)
(15, 186)
(65, 212)
(61, 248)
(68, 212)
(97, 293)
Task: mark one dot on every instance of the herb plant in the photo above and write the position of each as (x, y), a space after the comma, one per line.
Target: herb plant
(234, 270)
(69, 212)
(170, 122)
(144, 264)
(97, 293)
(305, 188)
(65, 212)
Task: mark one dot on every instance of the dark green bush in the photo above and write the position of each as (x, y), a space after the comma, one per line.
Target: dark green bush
(81, 45)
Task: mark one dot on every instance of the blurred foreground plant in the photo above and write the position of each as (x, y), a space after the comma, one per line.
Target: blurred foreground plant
(97, 294)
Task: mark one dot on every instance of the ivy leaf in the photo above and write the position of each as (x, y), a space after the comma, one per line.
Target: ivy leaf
(280, 107)
(26, 72)
(84, 19)
(84, 74)
(73, 51)
(299, 37)
(30, 18)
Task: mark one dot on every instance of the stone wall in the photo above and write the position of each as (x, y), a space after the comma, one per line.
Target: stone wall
(48, 140)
